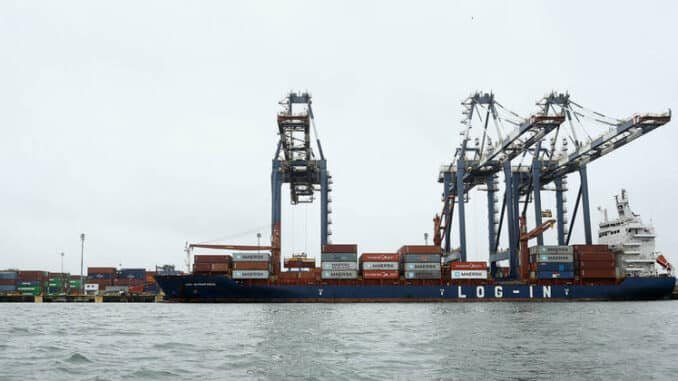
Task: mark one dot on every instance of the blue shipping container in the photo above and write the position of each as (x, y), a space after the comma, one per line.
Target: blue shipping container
(7, 288)
(32, 283)
(132, 274)
(555, 275)
(557, 267)
(99, 276)
(8, 275)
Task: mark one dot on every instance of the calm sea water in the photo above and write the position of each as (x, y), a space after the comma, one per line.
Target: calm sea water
(339, 341)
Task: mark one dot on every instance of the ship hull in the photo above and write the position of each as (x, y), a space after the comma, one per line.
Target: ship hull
(220, 289)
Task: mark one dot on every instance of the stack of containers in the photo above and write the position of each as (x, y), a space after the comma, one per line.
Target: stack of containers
(339, 261)
(8, 280)
(380, 265)
(31, 282)
(468, 270)
(74, 284)
(552, 262)
(421, 262)
(595, 262)
(251, 265)
(212, 264)
(56, 284)
(101, 276)
(130, 278)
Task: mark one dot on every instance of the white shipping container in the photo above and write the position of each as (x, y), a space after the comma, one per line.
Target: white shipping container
(341, 274)
(251, 257)
(380, 265)
(469, 274)
(422, 266)
(250, 274)
(339, 265)
(91, 287)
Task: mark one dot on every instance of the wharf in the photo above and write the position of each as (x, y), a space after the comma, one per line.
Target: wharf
(81, 299)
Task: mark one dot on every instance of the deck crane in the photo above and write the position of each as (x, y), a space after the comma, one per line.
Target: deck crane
(480, 162)
(296, 163)
(554, 162)
(525, 237)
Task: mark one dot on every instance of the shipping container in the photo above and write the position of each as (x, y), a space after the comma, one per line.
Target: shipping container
(9, 275)
(252, 265)
(250, 274)
(132, 273)
(597, 274)
(32, 275)
(339, 257)
(594, 257)
(468, 265)
(96, 270)
(596, 265)
(537, 250)
(339, 265)
(552, 258)
(381, 274)
(591, 248)
(380, 265)
(423, 275)
(212, 259)
(226, 267)
(30, 283)
(421, 258)
(380, 257)
(91, 287)
(7, 288)
(339, 274)
(420, 249)
(251, 257)
(469, 274)
(555, 275)
(28, 290)
(303, 263)
(554, 266)
(8, 282)
(426, 266)
(340, 248)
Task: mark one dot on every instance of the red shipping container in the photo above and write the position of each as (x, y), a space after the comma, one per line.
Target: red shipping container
(212, 259)
(419, 249)
(220, 267)
(251, 265)
(32, 275)
(380, 257)
(340, 248)
(597, 265)
(381, 274)
(597, 274)
(102, 270)
(595, 257)
(590, 248)
(299, 264)
(202, 267)
(7, 282)
(468, 266)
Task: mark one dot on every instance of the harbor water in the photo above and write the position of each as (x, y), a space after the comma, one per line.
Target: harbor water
(610, 340)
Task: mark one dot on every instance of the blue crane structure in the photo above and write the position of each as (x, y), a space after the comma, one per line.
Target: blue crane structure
(295, 163)
(480, 159)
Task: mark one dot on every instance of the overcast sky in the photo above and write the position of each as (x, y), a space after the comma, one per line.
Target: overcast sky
(148, 124)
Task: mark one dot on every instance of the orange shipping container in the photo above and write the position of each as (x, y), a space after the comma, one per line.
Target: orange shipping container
(212, 259)
(220, 267)
(419, 249)
(340, 248)
(468, 266)
(380, 257)
(381, 274)
(597, 274)
(595, 257)
(251, 265)
(597, 265)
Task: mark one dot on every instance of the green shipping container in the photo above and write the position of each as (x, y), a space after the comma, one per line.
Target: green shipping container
(30, 290)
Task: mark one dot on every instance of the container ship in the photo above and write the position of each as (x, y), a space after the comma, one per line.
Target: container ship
(623, 266)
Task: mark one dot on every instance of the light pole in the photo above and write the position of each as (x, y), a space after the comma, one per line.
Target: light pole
(82, 255)
(62, 263)
(426, 239)
(258, 243)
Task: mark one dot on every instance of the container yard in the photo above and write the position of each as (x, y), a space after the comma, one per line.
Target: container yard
(541, 150)
(101, 284)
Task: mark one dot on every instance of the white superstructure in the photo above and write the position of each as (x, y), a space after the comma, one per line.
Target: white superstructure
(630, 238)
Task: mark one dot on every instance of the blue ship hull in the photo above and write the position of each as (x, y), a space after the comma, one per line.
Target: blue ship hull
(214, 289)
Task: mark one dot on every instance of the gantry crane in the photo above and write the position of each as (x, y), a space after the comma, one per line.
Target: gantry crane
(482, 163)
(296, 164)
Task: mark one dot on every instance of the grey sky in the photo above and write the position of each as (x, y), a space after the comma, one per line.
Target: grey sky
(147, 124)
